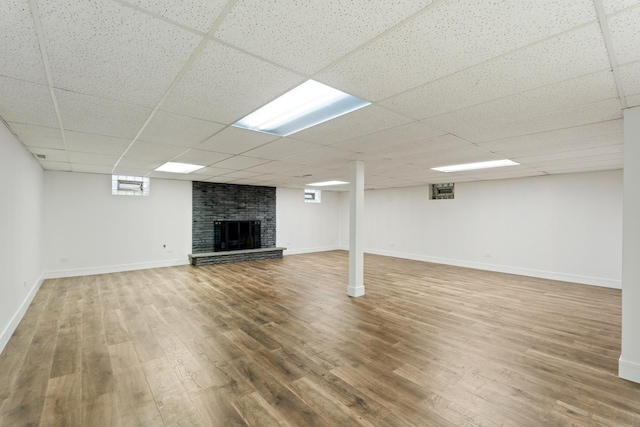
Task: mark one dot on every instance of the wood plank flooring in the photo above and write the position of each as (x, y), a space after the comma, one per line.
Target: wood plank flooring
(279, 343)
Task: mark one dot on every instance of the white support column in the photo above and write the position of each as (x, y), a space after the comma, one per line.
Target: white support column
(356, 239)
(629, 364)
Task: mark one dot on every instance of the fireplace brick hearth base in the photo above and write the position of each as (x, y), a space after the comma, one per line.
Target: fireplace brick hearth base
(235, 256)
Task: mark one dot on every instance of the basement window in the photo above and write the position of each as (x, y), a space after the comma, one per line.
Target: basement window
(442, 191)
(129, 185)
(312, 196)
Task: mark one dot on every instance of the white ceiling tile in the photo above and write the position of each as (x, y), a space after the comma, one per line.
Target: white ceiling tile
(153, 151)
(505, 172)
(574, 160)
(569, 154)
(239, 163)
(571, 117)
(220, 179)
(130, 170)
(100, 116)
(373, 142)
(386, 167)
(273, 167)
(452, 36)
(19, 47)
(307, 36)
(281, 148)
(234, 140)
(520, 174)
(191, 177)
(224, 85)
(175, 129)
(97, 144)
(82, 41)
(200, 157)
(38, 136)
(163, 175)
(51, 155)
(249, 181)
(213, 171)
(361, 122)
(93, 159)
(143, 166)
(444, 142)
(449, 178)
(542, 148)
(633, 100)
(197, 14)
(440, 158)
(102, 170)
(378, 183)
(611, 6)
(265, 178)
(557, 59)
(625, 32)
(630, 75)
(241, 174)
(55, 166)
(612, 127)
(584, 167)
(322, 157)
(25, 102)
(558, 96)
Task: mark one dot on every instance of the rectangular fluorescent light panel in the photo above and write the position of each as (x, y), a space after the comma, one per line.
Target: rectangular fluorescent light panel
(327, 183)
(307, 105)
(178, 167)
(474, 166)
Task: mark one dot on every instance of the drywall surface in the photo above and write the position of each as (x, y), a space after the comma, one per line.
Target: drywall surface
(565, 227)
(21, 231)
(91, 231)
(306, 227)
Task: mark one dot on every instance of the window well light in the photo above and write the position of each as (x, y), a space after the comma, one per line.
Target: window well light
(327, 183)
(474, 166)
(178, 167)
(304, 106)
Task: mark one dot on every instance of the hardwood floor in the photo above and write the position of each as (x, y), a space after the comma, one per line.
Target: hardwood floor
(278, 342)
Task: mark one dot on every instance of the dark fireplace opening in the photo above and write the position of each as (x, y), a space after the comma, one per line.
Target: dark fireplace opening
(236, 235)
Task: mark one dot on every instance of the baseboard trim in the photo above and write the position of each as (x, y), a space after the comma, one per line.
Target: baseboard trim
(311, 250)
(629, 370)
(563, 277)
(10, 329)
(57, 274)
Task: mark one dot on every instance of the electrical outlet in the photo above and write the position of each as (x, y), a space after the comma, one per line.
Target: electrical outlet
(169, 251)
(487, 255)
(64, 259)
(24, 284)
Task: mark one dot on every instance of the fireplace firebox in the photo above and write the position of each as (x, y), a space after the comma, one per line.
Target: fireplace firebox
(236, 235)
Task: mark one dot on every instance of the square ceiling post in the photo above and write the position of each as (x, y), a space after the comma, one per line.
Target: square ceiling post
(356, 227)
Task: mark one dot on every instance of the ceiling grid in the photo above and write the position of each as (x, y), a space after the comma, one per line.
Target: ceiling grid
(123, 86)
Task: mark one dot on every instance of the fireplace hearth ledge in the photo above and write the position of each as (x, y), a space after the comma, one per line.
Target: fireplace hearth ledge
(223, 257)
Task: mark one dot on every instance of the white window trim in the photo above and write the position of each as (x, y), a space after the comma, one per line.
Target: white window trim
(119, 181)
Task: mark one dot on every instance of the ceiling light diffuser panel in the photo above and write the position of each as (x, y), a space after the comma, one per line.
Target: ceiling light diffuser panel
(474, 166)
(175, 167)
(305, 106)
(328, 183)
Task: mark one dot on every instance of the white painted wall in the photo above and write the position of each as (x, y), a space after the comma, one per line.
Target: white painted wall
(629, 364)
(99, 233)
(306, 227)
(564, 227)
(21, 231)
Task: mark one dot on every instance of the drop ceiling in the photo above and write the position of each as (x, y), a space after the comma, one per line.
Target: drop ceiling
(123, 86)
